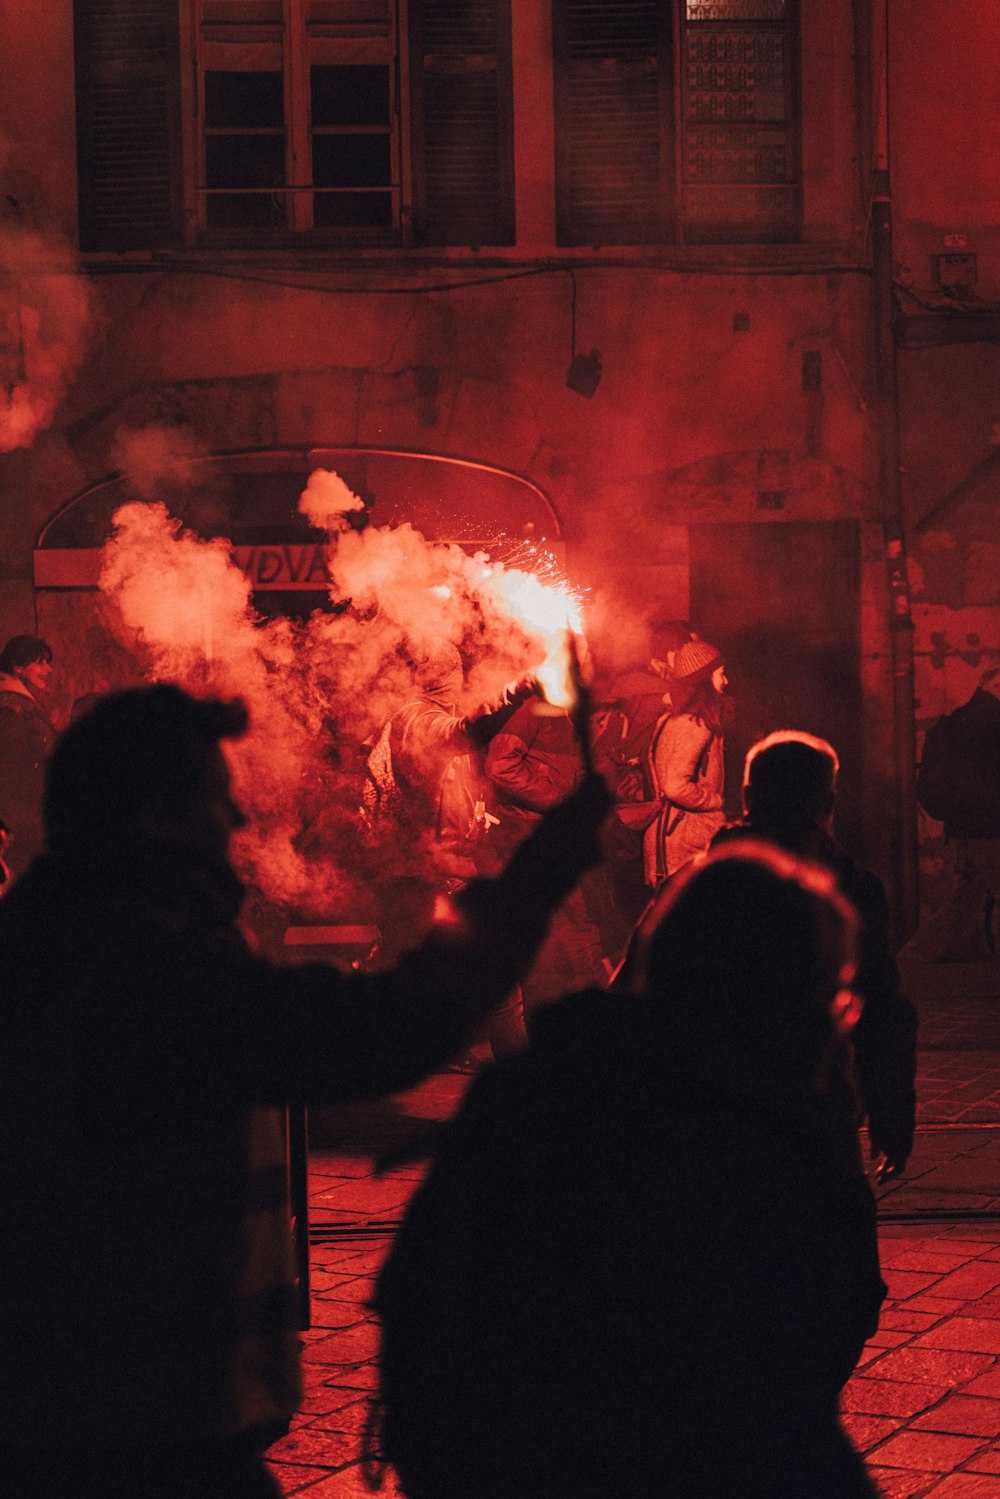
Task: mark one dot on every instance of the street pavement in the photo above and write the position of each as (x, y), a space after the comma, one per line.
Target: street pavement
(924, 1404)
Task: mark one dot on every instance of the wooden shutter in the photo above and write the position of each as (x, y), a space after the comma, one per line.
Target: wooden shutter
(128, 123)
(614, 141)
(462, 131)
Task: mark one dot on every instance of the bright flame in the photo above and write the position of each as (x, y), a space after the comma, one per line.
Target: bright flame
(545, 608)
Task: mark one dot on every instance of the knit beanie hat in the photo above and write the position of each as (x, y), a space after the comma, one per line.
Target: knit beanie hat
(695, 662)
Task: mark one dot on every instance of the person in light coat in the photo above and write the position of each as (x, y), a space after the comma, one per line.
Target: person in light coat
(686, 763)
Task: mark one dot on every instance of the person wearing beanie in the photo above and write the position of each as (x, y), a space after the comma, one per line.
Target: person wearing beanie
(686, 764)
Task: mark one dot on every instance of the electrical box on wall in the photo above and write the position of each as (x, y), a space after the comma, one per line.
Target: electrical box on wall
(955, 272)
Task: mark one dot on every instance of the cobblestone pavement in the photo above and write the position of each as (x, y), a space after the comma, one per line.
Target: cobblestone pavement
(924, 1404)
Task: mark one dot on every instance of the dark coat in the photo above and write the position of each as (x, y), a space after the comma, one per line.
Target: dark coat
(884, 1040)
(532, 763)
(26, 740)
(972, 806)
(626, 1276)
(145, 1260)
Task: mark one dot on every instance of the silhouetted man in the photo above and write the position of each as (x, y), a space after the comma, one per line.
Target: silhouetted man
(637, 1266)
(789, 791)
(147, 1306)
(958, 784)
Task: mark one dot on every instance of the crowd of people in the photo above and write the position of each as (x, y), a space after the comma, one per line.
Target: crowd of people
(646, 1245)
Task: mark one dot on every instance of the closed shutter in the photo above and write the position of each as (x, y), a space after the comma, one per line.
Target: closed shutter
(614, 141)
(128, 123)
(462, 130)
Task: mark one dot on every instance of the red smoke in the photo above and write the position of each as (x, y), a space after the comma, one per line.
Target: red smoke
(317, 691)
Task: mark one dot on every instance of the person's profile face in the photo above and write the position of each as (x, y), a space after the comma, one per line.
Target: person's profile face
(719, 679)
(36, 674)
(210, 816)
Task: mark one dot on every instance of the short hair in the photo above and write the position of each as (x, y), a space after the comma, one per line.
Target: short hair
(142, 747)
(22, 650)
(791, 777)
(747, 948)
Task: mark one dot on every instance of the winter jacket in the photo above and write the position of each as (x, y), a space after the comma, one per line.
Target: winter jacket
(688, 776)
(146, 1275)
(629, 1271)
(884, 1041)
(973, 801)
(436, 761)
(532, 763)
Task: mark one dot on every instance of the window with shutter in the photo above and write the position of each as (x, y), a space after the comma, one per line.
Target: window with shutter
(614, 152)
(676, 120)
(297, 122)
(128, 123)
(462, 122)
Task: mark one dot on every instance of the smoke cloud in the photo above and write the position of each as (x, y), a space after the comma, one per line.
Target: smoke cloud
(157, 461)
(318, 692)
(45, 315)
(326, 497)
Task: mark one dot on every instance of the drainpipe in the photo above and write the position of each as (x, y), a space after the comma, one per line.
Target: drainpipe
(904, 864)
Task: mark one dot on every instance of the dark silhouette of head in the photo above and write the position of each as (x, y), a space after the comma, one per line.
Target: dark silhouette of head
(146, 764)
(666, 638)
(745, 952)
(23, 650)
(790, 780)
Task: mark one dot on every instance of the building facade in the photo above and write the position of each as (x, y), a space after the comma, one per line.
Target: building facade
(704, 291)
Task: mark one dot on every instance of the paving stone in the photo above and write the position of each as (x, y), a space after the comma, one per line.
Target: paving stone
(986, 1462)
(327, 1313)
(350, 1484)
(884, 1397)
(985, 1384)
(906, 1283)
(932, 1261)
(906, 1320)
(927, 1451)
(944, 1366)
(291, 1476)
(323, 1400)
(967, 1415)
(965, 1486)
(309, 1448)
(887, 1337)
(366, 1196)
(986, 1306)
(971, 1281)
(355, 1378)
(349, 1418)
(896, 1483)
(865, 1431)
(941, 1305)
(350, 1345)
(972, 1334)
